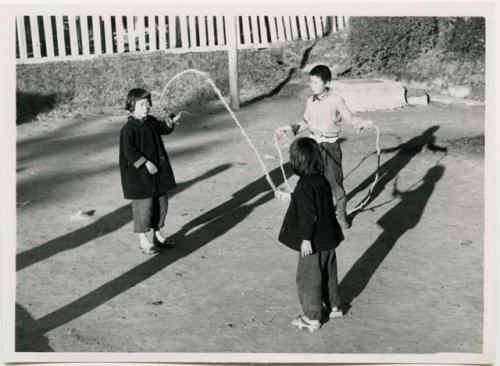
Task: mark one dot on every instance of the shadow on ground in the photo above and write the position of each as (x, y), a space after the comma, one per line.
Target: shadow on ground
(395, 223)
(26, 339)
(282, 84)
(391, 168)
(102, 226)
(215, 222)
(30, 105)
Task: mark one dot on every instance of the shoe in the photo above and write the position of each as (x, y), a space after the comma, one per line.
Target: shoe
(304, 322)
(167, 243)
(336, 313)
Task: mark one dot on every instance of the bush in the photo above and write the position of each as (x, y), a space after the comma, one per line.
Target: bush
(100, 85)
(388, 43)
(463, 37)
(439, 70)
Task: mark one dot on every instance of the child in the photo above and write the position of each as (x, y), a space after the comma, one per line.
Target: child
(310, 226)
(145, 169)
(324, 112)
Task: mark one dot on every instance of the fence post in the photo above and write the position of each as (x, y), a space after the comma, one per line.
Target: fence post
(162, 32)
(192, 31)
(172, 32)
(255, 30)
(120, 34)
(232, 43)
(96, 34)
(35, 36)
(21, 34)
(281, 29)
(264, 41)
(85, 34)
(108, 35)
(288, 28)
(220, 30)
(303, 27)
(49, 38)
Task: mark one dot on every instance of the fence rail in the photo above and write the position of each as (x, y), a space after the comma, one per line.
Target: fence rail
(77, 37)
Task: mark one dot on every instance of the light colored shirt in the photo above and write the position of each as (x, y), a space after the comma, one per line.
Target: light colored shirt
(324, 115)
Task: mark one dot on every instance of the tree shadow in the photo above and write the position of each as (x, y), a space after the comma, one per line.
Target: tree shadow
(281, 85)
(64, 141)
(33, 188)
(214, 223)
(30, 105)
(25, 339)
(102, 226)
(391, 168)
(395, 223)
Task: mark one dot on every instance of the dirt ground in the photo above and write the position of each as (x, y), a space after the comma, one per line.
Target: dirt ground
(411, 266)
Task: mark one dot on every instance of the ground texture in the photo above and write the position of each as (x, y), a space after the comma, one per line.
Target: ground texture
(411, 266)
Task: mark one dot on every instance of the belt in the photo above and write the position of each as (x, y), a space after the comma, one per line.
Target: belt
(320, 138)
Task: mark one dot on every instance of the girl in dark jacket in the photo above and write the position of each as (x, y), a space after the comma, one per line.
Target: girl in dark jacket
(145, 169)
(310, 227)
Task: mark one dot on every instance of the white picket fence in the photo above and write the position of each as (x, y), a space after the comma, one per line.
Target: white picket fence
(53, 38)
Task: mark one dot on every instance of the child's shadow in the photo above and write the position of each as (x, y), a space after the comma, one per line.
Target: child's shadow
(192, 236)
(26, 340)
(391, 168)
(102, 226)
(395, 223)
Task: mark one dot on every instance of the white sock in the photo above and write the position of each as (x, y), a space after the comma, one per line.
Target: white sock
(145, 242)
(159, 236)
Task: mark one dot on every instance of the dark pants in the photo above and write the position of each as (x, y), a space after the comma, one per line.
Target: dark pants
(149, 213)
(317, 283)
(331, 155)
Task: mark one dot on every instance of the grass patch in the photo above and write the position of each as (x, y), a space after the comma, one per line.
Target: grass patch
(99, 86)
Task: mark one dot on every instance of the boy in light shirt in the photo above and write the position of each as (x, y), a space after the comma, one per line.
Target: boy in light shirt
(323, 116)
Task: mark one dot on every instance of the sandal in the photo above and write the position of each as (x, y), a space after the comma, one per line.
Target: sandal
(303, 322)
(167, 243)
(148, 249)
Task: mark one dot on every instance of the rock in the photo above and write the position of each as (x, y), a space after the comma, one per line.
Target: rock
(450, 100)
(370, 94)
(459, 91)
(82, 215)
(423, 100)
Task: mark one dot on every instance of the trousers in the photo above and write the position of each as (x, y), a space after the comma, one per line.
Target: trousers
(149, 213)
(317, 283)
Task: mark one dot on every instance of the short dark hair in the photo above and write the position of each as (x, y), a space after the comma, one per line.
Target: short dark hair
(305, 157)
(323, 72)
(134, 95)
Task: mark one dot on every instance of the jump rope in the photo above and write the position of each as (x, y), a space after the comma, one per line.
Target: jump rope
(277, 192)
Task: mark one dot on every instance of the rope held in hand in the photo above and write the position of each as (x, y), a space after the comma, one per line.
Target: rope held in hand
(363, 203)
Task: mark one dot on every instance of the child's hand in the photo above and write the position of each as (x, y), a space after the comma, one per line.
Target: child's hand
(152, 169)
(174, 118)
(282, 129)
(283, 196)
(306, 248)
(366, 124)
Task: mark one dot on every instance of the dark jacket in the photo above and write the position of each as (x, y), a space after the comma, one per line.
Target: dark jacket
(311, 216)
(140, 140)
